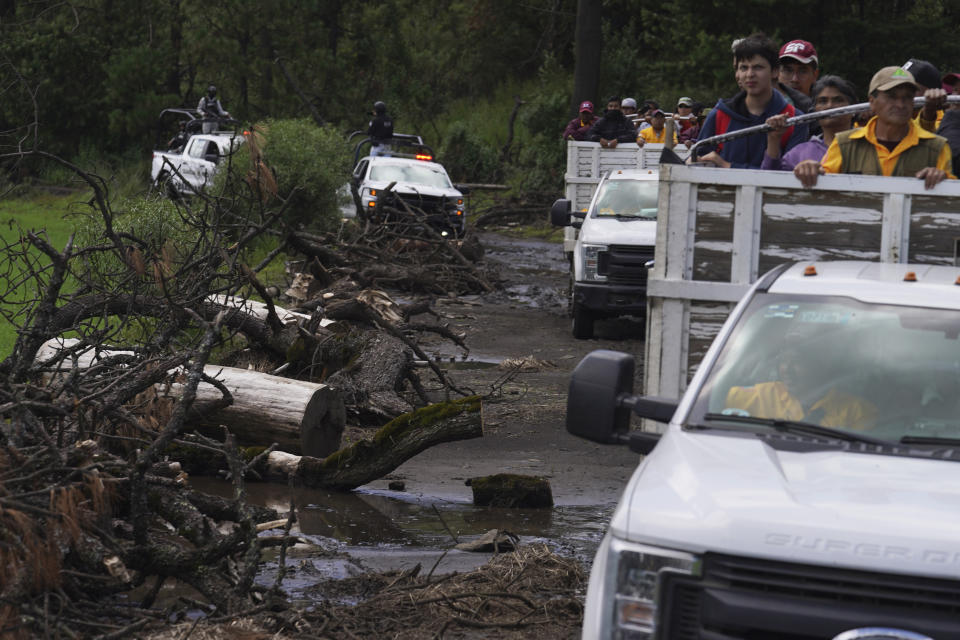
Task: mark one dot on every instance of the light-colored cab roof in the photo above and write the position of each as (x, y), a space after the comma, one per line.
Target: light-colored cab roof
(935, 286)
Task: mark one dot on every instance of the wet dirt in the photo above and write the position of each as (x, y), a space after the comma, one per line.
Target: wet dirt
(377, 528)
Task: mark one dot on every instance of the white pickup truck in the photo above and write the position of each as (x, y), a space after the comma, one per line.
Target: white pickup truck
(188, 171)
(808, 484)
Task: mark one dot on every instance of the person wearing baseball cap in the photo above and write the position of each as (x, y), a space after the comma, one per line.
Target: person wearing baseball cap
(930, 87)
(797, 71)
(688, 127)
(579, 127)
(657, 132)
(891, 143)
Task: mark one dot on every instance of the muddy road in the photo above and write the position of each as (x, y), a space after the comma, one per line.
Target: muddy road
(379, 528)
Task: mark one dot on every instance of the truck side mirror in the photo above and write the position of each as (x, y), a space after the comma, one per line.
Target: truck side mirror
(598, 383)
(560, 213)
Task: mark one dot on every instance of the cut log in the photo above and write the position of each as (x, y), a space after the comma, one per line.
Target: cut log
(395, 443)
(301, 417)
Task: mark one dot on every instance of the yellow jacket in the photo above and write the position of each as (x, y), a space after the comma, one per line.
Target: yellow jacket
(649, 135)
(833, 160)
(772, 400)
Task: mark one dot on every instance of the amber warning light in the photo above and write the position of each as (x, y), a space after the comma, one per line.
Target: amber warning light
(423, 156)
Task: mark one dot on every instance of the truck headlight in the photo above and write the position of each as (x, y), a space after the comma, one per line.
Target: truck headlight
(591, 262)
(633, 580)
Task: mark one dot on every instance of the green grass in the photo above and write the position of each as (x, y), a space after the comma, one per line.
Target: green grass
(37, 212)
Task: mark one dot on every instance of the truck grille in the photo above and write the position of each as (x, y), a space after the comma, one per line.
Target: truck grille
(429, 204)
(624, 264)
(749, 599)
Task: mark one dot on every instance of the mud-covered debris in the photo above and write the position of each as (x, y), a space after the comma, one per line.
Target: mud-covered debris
(495, 540)
(512, 490)
(527, 364)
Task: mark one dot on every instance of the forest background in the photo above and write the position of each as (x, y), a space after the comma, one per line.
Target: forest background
(488, 83)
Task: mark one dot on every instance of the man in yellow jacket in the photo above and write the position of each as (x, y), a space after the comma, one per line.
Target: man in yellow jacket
(799, 396)
(657, 131)
(890, 144)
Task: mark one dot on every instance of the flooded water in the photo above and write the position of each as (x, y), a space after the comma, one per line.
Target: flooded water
(348, 534)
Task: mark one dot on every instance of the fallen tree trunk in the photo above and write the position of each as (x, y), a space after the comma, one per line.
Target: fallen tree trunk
(395, 443)
(301, 417)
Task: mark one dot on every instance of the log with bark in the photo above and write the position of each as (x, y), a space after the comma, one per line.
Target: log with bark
(301, 417)
(395, 443)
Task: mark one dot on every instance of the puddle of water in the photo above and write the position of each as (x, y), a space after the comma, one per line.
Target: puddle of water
(351, 533)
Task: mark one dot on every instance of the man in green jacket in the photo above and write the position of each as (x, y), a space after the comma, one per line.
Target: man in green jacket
(890, 144)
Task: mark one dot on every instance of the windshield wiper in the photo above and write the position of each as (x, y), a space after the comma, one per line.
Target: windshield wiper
(807, 428)
(937, 440)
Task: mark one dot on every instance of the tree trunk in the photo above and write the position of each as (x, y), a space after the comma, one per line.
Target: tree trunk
(588, 48)
(301, 417)
(395, 443)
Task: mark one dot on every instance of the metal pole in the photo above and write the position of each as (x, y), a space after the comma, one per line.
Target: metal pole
(806, 117)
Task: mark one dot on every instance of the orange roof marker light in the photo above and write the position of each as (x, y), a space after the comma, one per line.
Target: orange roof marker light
(910, 276)
(958, 281)
(810, 271)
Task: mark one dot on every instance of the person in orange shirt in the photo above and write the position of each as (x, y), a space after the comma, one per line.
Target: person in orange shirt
(657, 131)
(890, 144)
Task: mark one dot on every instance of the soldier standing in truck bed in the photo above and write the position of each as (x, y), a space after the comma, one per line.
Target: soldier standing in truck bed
(210, 109)
(380, 130)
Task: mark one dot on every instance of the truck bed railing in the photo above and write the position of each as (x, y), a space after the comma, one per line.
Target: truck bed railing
(720, 229)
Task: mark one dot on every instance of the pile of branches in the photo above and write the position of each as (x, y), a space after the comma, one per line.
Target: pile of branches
(94, 517)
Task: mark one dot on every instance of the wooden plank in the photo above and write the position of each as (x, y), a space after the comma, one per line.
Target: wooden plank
(695, 290)
(895, 230)
(746, 234)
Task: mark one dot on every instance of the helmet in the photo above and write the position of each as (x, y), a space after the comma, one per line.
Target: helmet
(379, 107)
(211, 91)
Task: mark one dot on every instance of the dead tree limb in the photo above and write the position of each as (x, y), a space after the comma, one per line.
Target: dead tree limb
(395, 443)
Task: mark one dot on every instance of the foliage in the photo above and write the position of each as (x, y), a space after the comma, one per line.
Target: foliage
(467, 158)
(310, 165)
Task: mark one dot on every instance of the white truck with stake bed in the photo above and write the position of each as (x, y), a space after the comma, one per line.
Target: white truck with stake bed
(806, 483)
(610, 214)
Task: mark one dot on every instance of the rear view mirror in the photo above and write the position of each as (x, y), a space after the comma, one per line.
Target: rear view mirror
(597, 386)
(560, 213)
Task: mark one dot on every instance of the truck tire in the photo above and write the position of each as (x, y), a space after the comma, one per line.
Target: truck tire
(582, 322)
(164, 186)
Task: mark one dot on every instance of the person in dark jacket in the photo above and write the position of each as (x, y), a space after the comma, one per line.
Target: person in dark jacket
(613, 128)
(950, 129)
(757, 63)
(579, 127)
(210, 110)
(380, 130)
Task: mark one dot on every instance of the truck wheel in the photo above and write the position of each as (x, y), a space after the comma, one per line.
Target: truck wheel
(582, 322)
(164, 186)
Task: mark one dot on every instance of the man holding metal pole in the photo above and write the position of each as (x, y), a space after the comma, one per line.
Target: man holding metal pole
(890, 144)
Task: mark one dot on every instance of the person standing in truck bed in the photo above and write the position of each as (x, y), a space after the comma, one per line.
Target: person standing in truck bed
(613, 128)
(890, 144)
(579, 127)
(210, 109)
(757, 62)
(380, 130)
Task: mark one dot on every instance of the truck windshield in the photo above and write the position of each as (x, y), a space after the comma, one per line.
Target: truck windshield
(627, 199)
(888, 372)
(410, 173)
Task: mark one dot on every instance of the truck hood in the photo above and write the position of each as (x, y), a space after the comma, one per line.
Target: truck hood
(737, 495)
(616, 231)
(407, 188)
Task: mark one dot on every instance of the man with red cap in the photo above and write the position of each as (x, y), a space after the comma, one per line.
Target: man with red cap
(799, 69)
(579, 127)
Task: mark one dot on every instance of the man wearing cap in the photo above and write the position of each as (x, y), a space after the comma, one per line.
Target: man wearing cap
(657, 132)
(579, 127)
(613, 128)
(688, 127)
(927, 78)
(629, 108)
(799, 69)
(890, 144)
